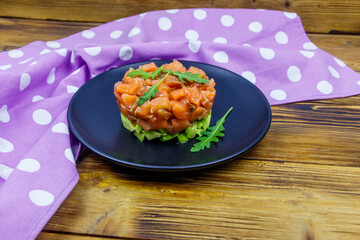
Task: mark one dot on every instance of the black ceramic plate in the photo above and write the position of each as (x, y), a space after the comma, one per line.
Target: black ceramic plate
(95, 120)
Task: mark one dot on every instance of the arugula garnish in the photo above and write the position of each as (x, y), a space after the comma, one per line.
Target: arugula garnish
(144, 75)
(141, 73)
(191, 77)
(211, 134)
(151, 92)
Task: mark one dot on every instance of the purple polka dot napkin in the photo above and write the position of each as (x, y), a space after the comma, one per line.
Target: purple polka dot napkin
(37, 152)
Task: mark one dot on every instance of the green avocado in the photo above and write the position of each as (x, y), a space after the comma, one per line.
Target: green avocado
(163, 135)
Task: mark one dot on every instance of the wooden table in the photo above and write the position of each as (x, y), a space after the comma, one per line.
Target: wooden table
(302, 181)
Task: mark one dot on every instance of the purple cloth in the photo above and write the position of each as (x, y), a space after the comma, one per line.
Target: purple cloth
(37, 166)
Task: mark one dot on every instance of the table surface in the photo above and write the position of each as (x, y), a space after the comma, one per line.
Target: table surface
(302, 181)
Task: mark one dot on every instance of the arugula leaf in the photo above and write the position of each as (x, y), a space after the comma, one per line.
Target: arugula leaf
(211, 134)
(151, 92)
(191, 77)
(141, 73)
(157, 72)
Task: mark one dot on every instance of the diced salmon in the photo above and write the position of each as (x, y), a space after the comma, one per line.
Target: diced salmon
(196, 70)
(173, 82)
(194, 95)
(136, 80)
(127, 88)
(175, 66)
(197, 113)
(143, 111)
(180, 110)
(150, 67)
(180, 124)
(128, 100)
(164, 114)
(177, 94)
(144, 124)
(160, 124)
(164, 87)
(160, 103)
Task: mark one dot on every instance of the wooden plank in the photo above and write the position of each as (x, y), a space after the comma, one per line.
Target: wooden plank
(67, 236)
(322, 16)
(15, 33)
(291, 186)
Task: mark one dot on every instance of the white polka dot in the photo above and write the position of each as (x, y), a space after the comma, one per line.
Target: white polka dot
(267, 53)
(220, 40)
(61, 52)
(172, 11)
(199, 14)
(5, 67)
(309, 46)
(307, 54)
(294, 74)
(5, 171)
(53, 44)
(255, 27)
(16, 53)
(69, 155)
(93, 51)
(278, 94)
(227, 20)
(221, 57)
(45, 51)
(155, 58)
(88, 34)
(76, 71)
(333, 72)
(133, 32)
(192, 35)
(339, 62)
(25, 80)
(246, 45)
(41, 117)
(4, 114)
(249, 76)
(51, 77)
(194, 46)
(125, 53)
(5, 146)
(143, 14)
(281, 37)
(324, 87)
(290, 15)
(164, 23)
(71, 89)
(41, 198)
(119, 20)
(116, 34)
(60, 128)
(26, 60)
(33, 63)
(28, 165)
(72, 57)
(358, 83)
(37, 98)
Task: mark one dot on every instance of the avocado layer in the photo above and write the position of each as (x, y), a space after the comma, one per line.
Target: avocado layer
(163, 135)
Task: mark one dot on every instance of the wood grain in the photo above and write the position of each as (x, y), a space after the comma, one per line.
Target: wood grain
(323, 16)
(299, 182)
(15, 33)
